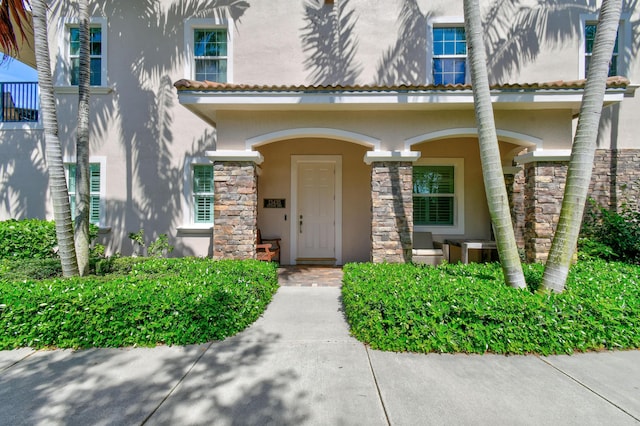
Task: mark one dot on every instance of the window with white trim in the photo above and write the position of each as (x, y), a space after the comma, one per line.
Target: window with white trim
(208, 49)
(202, 189)
(95, 54)
(589, 39)
(438, 195)
(95, 187)
(210, 54)
(449, 55)
(433, 195)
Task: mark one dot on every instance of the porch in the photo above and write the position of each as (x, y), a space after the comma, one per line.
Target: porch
(332, 202)
(379, 136)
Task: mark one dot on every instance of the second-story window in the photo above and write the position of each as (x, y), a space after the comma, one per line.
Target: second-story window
(589, 40)
(449, 55)
(210, 54)
(95, 52)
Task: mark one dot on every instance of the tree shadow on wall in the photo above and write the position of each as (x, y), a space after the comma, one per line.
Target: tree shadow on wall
(24, 177)
(153, 150)
(517, 31)
(329, 43)
(406, 61)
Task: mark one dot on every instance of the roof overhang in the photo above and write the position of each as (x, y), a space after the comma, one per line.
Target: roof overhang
(206, 99)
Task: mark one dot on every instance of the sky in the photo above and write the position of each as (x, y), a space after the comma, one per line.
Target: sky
(13, 70)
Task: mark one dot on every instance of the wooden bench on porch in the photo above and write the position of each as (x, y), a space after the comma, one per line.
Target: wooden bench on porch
(267, 248)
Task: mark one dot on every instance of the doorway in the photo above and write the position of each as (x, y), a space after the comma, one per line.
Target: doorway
(316, 211)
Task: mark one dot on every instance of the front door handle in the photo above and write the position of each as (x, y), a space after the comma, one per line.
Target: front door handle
(301, 224)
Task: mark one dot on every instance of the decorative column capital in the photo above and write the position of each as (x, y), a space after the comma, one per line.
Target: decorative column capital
(388, 156)
(547, 155)
(233, 155)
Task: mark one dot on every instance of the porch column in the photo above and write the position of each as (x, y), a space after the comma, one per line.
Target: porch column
(545, 177)
(616, 179)
(235, 204)
(392, 206)
(514, 181)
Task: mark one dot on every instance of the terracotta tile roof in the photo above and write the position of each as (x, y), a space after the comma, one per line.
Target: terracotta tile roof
(210, 86)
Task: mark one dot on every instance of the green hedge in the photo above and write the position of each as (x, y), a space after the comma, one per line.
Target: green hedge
(158, 301)
(31, 239)
(467, 308)
(29, 269)
(28, 239)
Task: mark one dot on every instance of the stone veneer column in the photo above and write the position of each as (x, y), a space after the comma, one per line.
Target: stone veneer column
(392, 211)
(543, 194)
(514, 181)
(235, 209)
(615, 183)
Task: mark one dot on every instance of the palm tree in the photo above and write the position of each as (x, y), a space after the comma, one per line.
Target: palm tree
(14, 19)
(55, 166)
(489, 151)
(583, 150)
(83, 199)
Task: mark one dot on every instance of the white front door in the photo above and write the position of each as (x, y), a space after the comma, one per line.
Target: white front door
(316, 209)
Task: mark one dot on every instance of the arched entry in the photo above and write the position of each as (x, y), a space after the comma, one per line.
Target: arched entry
(521, 140)
(313, 132)
(458, 149)
(322, 176)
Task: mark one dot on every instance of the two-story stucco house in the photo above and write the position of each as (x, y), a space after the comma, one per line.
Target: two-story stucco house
(339, 126)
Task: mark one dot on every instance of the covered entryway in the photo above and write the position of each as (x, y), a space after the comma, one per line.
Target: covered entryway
(260, 129)
(324, 190)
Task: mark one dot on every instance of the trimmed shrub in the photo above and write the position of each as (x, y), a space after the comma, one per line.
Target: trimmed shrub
(29, 269)
(31, 239)
(28, 239)
(467, 308)
(158, 301)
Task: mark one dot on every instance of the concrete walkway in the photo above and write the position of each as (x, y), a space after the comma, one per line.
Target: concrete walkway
(297, 365)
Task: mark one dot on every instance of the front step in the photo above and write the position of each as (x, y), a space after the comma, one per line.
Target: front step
(309, 276)
(320, 261)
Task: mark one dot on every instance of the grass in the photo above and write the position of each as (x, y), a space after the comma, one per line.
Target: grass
(468, 309)
(146, 302)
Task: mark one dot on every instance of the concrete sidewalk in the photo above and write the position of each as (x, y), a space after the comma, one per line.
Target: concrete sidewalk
(298, 365)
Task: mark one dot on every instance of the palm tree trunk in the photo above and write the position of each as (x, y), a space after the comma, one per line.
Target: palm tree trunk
(494, 183)
(83, 194)
(57, 181)
(583, 151)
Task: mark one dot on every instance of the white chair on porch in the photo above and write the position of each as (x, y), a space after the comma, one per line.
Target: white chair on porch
(427, 251)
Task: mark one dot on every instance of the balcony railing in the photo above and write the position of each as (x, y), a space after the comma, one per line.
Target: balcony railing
(19, 102)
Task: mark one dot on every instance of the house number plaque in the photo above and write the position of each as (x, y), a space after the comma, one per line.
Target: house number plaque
(274, 203)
